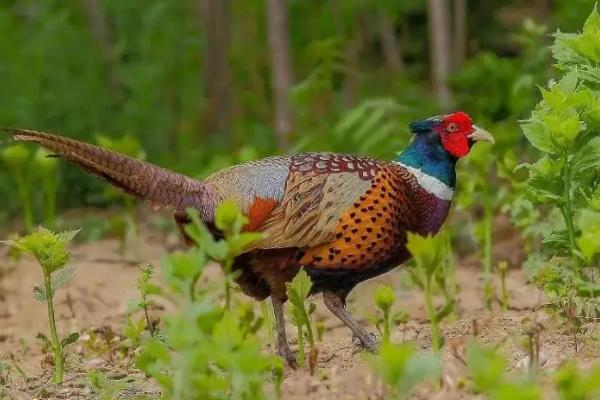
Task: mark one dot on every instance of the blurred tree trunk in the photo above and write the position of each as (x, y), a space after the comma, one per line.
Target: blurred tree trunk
(99, 27)
(351, 52)
(439, 49)
(281, 69)
(460, 33)
(390, 45)
(217, 74)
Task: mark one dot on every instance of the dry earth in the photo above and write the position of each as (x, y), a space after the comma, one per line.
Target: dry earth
(98, 296)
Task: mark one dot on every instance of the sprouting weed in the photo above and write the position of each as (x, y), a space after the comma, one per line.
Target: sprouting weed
(564, 127)
(502, 269)
(230, 221)
(105, 388)
(429, 254)
(402, 367)
(207, 350)
(487, 371)
(301, 310)
(384, 300)
(50, 250)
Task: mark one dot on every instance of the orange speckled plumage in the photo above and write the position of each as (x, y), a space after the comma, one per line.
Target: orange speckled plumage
(368, 231)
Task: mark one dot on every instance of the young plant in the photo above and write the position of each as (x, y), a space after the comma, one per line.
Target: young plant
(298, 290)
(230, 221)
(428, 255)
(207, 351)
(146, 289)
(50, 250)
(402, 367)
(502, 269)
(564, 127)
(16, 158)
(487, 370)
(384, 300)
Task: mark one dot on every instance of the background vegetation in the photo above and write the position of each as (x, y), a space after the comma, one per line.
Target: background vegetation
(202, 84)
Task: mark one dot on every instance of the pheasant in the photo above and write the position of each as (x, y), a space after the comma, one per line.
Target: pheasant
(342, 218)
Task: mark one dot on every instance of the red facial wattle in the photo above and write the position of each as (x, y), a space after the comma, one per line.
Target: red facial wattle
(454, 133)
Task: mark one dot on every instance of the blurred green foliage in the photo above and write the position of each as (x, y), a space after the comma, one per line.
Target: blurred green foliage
(134, 69)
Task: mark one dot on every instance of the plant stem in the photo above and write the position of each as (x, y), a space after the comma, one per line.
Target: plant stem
(301, 355)
(56, 346)
(308, 323)
(386, 326)
(227, 271)
(435, 329)
(567, 210)
(487, 246)
(504, 291)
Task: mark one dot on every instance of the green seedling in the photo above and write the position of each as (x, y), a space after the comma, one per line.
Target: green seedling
(428, 255)
(46, 168)
(502, 269)
(16, 158)
(487, 371)
(402, 367)
(230, 221)
(572, 384)
(565, 128)
(384, 300)
(146, 289)
(103, 387)
(207, 351)
(50, 250)
(301, 310)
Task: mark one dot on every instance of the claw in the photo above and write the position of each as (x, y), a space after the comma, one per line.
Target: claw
(369, 342)
(288, 357)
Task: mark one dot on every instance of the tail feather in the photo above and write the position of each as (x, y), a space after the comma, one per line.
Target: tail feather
(160, 187)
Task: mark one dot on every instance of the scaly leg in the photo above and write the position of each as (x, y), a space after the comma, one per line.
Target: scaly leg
(336, 305)
(283, 347)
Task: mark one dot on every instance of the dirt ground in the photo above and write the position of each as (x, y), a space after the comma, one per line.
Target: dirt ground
(98, 296)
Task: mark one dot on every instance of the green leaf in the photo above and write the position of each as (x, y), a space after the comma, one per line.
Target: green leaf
(445, 311)
(402, 367)
(228, 217)
(59, 279)
(72, 338)
(47, 343)
(486, 367)
(299, 288)
(588, 155)
(428, 252)
(384, 297)
(538, 137)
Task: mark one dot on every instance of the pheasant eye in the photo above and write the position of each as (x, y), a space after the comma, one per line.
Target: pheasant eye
(452, 127)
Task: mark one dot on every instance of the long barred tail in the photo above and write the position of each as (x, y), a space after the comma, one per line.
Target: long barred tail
(160, 187)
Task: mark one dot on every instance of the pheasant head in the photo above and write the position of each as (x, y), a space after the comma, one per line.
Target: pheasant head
(439, 141)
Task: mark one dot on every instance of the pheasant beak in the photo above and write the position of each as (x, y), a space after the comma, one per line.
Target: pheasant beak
(481, 135)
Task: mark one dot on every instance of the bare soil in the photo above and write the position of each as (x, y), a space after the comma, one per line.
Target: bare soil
(96, 302)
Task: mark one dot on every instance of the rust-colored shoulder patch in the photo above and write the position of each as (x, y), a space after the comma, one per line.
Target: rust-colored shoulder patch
(259, 211)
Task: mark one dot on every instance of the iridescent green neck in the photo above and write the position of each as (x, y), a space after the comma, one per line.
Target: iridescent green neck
(426, 153)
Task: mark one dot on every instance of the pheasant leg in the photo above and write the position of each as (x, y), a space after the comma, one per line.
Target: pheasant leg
(336, 305)
(283, 347)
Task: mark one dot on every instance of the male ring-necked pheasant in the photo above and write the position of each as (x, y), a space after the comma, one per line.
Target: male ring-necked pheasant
(343, 218)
